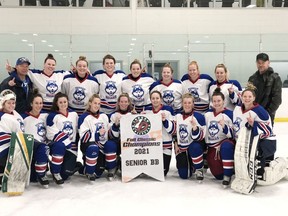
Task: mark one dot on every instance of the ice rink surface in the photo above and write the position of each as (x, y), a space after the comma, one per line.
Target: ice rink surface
(146, 196)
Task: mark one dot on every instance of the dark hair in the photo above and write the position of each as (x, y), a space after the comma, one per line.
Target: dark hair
(55, 100)
(168, 66)
(49, 56)
(81, 58)
(136, 61)
(157, 92)
(108, 57)
(35, 94)
(217, 92)
(130, 107)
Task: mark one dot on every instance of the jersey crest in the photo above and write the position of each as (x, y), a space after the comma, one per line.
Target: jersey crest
(41, 130)
(51, 87)
(213, 128)
(183, 132)
(100, 125)
(21, 124)
(67, 127)
(79, 94)
(110, 88)
(138, 92)
(194, 92)
(237, 124)
(168, 97)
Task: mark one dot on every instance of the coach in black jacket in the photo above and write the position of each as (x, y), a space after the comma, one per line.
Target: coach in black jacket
(20, 84)
(268, 84)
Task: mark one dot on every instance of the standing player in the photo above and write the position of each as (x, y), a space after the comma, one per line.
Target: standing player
(61, 132)
(98, 151)
(110, 84)
(10, 121)
(219, 134)
(190, 135)
(170, 89)
(137, 85)
(35, 124)
(230, 88)
(197, 84)
(80, 86)
(168, 125)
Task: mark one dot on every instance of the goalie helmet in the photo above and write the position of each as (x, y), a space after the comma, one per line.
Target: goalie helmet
(6, 95)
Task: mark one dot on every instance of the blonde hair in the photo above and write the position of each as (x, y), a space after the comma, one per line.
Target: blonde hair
(250, 87)
(90, 101)
(194, 63)
(225, 69)
(187, 95)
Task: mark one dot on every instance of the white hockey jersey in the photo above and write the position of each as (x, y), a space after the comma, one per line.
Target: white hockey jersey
(138, 90)
(110, 89)
(79, 91)
(36, 125)
(9, 123)
(262, 121)
(63, 128)
(89, 126)
(171, 93)
(215, 133)
(230, 100)
(185, 135)
(115, 130)
(48, 86)
(199, 90)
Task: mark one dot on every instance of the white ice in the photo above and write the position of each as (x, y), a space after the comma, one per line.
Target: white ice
(146, 196)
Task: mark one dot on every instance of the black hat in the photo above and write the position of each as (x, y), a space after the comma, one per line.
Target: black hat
(262, 56)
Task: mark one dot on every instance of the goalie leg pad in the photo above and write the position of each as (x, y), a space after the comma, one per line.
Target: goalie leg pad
(276, 171)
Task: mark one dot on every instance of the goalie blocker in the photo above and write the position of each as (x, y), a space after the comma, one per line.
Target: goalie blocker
(246, 165)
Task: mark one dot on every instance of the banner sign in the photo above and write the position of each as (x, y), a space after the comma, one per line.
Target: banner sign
(141, 146)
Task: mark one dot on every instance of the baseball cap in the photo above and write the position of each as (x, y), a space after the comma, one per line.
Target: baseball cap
(22, 60)
(262, 56)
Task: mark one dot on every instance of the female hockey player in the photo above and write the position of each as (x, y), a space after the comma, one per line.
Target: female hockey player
(190, 135)
(80, 86)
(171, 89)
(230, 88)
(98, 152)
(110, 84)
(10, 121)
(137, 85)
(253, 116)
(62, 133)
(219, 139)
(168, 125)
(35, 124)
(197, 84)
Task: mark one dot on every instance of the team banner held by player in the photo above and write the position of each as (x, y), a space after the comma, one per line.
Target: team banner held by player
(141, 146)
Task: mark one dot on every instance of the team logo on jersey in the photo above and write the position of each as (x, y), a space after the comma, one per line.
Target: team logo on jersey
(213, 128)
(138, 92)
(41, 130)
(183, 132)
(21, 124)
(51, 87)
(110, 88)
(237, 124)
(168, 97)
(194, 92)
(79, 94)
(68, 128)
(141, 125)
(99, 126)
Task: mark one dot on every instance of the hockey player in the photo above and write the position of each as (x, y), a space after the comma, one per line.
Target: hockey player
(61, 132)
(10, 121)
(137, 85)
(98, 152)
(219, 139)
(197, 84)
(171, 89)
(190, 135)
(80, 86)
(230, 88)
(168, 125)
(110, 84)
(35, 124)
(254, 116)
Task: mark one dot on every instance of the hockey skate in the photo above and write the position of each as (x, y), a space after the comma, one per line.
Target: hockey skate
(44, 181)
(199, 175)
(57, 178)
(111, 174)
(91, 177)
(226, 181)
